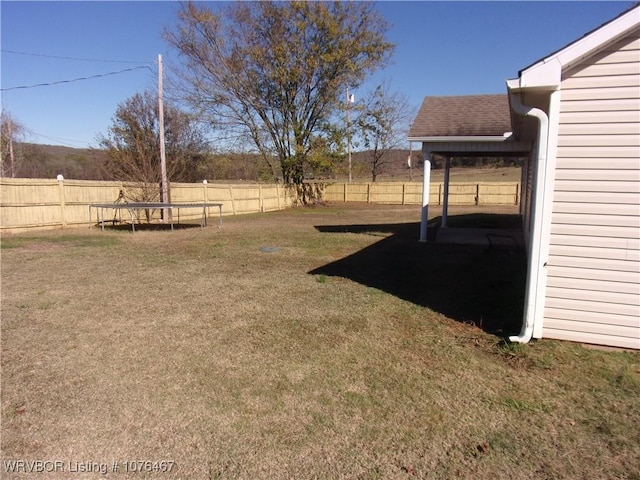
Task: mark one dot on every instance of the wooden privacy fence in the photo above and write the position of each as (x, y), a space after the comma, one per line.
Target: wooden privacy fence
(38, 203)
(410, 193)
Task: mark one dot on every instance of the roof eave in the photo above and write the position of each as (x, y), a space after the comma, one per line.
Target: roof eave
(467, 138)
(547, 73)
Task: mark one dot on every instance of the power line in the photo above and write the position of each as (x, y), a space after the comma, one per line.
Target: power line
(62, 141)
(76, 79)
(81, 59)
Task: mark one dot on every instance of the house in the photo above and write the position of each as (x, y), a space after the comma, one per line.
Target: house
(576, 116)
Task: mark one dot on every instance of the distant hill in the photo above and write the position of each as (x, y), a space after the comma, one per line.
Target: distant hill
(47, 161)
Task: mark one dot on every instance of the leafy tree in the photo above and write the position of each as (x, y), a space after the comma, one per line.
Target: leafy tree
(272, 73)
(10, 133)
(133, 146)
(382, 125)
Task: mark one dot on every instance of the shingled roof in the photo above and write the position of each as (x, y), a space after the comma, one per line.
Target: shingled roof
(463, 116)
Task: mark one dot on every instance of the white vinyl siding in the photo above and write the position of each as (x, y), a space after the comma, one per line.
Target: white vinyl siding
(593, 282)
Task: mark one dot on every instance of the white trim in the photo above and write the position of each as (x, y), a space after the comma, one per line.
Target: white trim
(511, 146)
(547, 72)
(534, 261)
(513, 84)
(492, 138)
(426, 183)
(547, 209)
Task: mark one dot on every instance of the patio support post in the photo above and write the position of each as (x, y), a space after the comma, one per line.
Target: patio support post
(445, 203)
(426, 181)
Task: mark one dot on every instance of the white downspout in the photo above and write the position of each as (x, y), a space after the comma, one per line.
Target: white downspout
(533, 260)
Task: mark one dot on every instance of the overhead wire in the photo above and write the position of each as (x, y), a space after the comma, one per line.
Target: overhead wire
(141, 65)
(62, 141)
(76, 79)
(81, 59)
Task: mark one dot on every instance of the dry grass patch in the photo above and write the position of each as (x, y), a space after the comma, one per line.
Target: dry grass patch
(195, 346)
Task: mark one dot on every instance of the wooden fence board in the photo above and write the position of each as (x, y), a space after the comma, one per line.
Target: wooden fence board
(43, 203)
(410, 193)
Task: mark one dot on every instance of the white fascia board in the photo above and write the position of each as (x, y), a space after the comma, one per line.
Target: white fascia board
(547, 73)
(544, 74)
(513, 85)
(500, 138)
(605, 34)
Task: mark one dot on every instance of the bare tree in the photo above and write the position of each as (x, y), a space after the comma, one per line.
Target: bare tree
(132, 144)
(10, 133)
(382, 125)
(273, 72)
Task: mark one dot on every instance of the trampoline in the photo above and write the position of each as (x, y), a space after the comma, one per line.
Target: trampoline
(136, 206)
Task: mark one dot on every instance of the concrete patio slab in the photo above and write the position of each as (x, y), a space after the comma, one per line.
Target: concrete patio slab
(489, 237)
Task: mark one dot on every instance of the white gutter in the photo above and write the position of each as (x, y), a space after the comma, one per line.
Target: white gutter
(533, 260)
(468, 138)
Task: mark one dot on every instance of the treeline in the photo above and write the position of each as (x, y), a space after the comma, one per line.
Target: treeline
(48, 161)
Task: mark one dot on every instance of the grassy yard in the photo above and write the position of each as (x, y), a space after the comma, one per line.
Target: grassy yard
(311, 343)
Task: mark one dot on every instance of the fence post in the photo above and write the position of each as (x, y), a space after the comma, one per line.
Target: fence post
(60, 179)
(233, 205)
(345, 192)
(477, 194)
(368, 193)
(260, 199)
(404, 189)
(205, 195)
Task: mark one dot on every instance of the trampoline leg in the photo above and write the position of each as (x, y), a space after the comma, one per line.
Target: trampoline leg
(133, 223)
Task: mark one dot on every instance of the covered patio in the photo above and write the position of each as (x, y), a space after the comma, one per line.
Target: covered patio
(463, 126)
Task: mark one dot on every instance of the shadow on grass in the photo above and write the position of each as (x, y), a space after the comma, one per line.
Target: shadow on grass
(467, 283)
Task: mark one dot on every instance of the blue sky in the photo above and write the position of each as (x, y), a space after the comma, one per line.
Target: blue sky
(443, 48)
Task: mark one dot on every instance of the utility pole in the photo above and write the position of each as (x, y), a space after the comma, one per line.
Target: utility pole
(163, 160)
